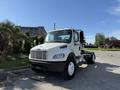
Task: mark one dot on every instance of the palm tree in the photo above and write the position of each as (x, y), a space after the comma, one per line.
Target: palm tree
(5, 34)
(17, 39)
(10, 37)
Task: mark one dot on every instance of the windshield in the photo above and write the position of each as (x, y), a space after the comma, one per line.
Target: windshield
(63, 36)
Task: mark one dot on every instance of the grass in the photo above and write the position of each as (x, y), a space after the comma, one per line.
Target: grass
(103, 49)
(13, 61)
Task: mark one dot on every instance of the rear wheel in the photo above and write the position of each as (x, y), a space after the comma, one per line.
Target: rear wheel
(93, 58)
(70, 69)
(90, 59)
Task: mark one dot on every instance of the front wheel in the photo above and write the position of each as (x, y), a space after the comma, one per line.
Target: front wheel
(70, 69)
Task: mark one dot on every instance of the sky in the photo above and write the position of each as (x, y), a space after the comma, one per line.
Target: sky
(92, 16)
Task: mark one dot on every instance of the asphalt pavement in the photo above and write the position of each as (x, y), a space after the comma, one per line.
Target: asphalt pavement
(103, 75)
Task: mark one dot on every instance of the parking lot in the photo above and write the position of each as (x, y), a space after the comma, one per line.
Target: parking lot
(103, 75)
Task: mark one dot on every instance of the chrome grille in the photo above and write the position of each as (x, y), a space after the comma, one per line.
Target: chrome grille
(38, 54)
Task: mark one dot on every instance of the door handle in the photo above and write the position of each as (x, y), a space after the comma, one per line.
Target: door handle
(76, 44)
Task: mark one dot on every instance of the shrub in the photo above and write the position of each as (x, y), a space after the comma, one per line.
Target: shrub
(27, 47)
(41, 40)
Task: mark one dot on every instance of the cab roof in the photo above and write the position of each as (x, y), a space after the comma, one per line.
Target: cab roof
(66, 29)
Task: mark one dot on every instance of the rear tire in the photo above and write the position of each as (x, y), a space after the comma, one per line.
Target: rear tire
(90, 59)
(70, 69)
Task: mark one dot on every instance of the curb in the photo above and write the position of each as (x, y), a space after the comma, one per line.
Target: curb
(4, 73)
(17, 68)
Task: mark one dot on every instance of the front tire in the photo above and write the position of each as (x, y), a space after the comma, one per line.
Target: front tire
(70, 69)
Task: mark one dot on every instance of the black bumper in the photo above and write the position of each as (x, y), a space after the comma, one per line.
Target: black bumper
(49, 66)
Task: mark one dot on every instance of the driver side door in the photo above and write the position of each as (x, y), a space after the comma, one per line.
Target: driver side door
(76, 44)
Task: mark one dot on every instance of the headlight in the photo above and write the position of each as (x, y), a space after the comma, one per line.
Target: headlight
(58, 56)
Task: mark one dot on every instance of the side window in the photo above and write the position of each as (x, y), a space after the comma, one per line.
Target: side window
(76, 39)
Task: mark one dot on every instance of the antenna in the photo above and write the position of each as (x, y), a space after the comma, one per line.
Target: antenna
(54, 26)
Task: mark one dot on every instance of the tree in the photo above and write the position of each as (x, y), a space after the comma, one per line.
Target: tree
(41, 40)
(107, 40)
(27, 46)
(18, 38)
(99, 39)
(28, 43)
(114, 42)
(5, 34)
(113, 38)
(11, 37)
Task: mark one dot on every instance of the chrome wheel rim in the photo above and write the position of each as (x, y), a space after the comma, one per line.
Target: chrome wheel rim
(71, 68)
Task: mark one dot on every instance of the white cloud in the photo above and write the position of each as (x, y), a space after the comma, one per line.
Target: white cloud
(102, 22)
(116, 34)
(90, 39)
(117, 21)
(116, 9)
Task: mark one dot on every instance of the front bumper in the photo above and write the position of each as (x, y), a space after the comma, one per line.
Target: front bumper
(49, 66)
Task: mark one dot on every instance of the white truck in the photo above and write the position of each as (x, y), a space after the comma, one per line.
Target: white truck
(61, 52)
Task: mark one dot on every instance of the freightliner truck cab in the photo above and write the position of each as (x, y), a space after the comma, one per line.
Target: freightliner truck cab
(61, 52)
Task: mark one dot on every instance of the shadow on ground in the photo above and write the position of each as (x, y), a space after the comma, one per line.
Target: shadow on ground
(99, 76)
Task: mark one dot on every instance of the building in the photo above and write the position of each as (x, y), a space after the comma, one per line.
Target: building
(34, 31)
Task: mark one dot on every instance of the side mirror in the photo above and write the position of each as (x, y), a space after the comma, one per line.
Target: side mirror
(82, 39)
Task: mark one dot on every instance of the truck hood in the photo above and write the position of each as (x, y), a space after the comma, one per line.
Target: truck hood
(47, 46)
